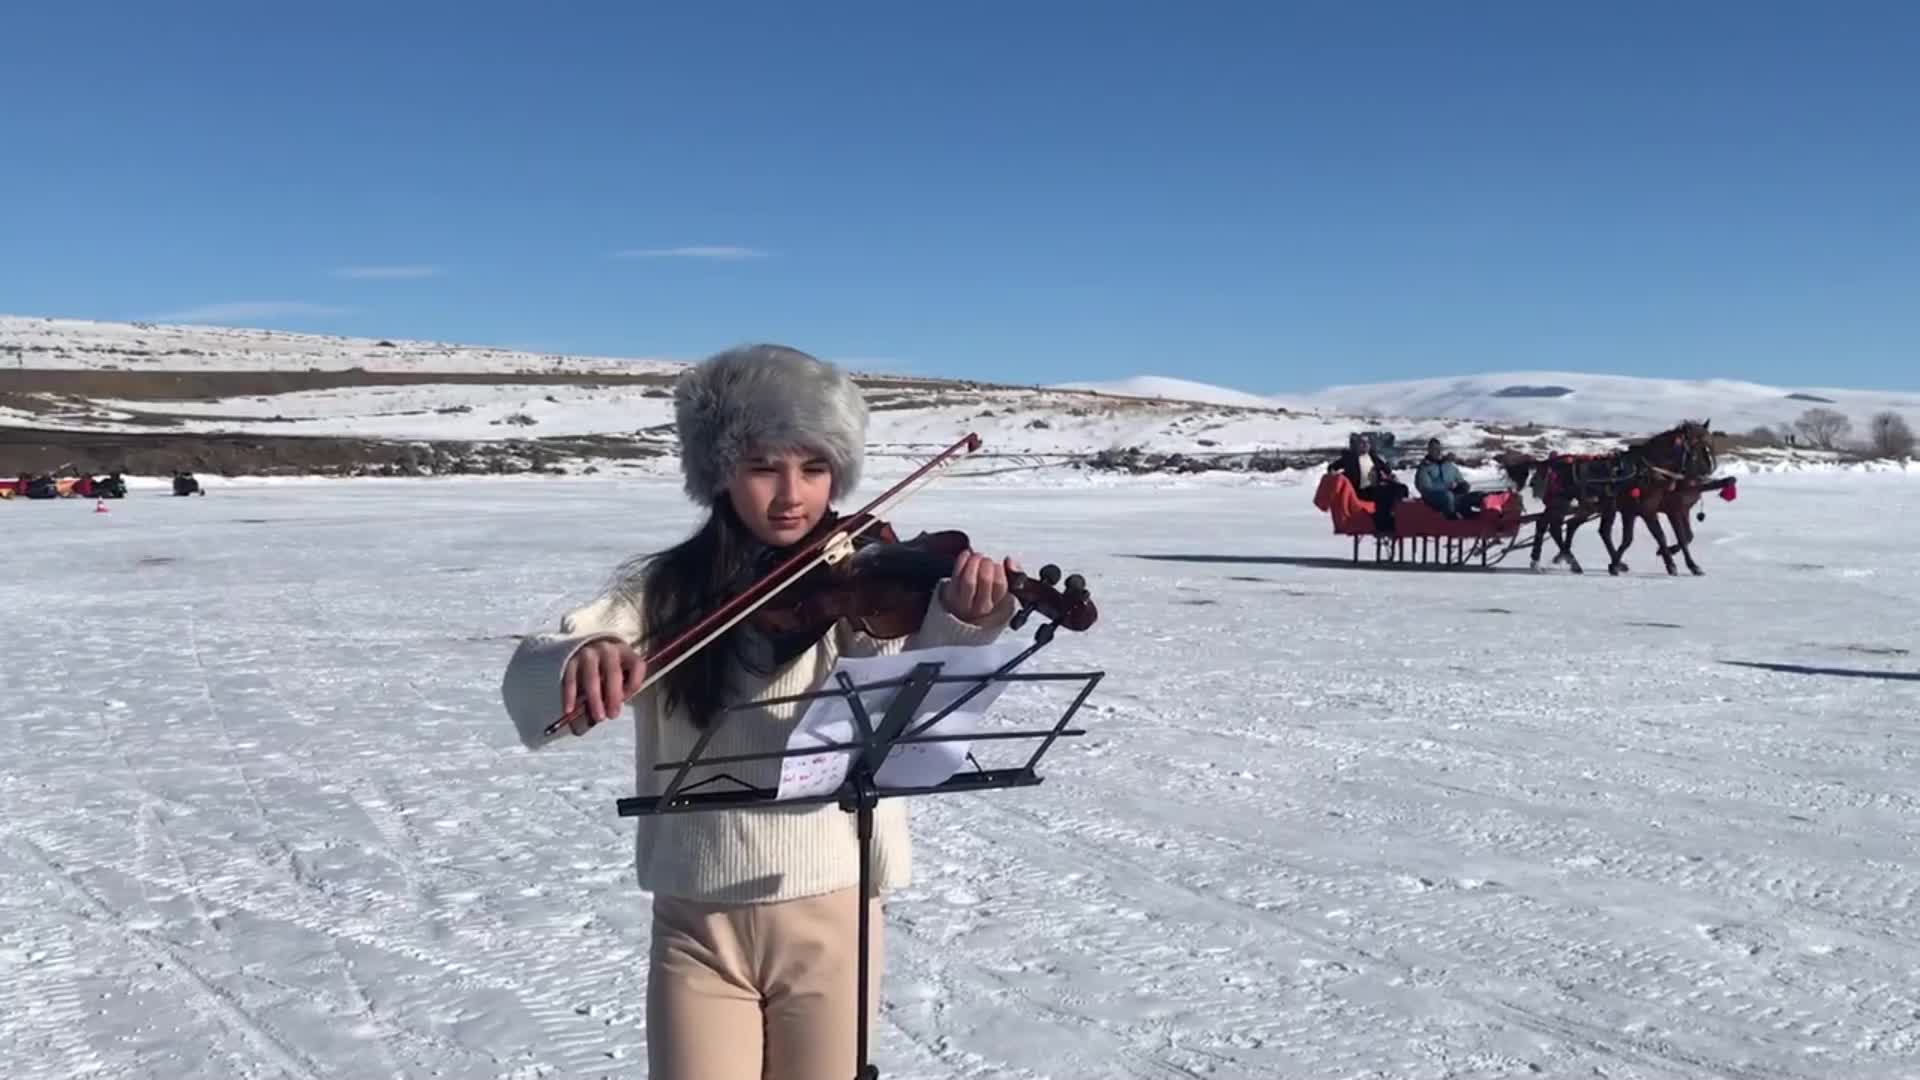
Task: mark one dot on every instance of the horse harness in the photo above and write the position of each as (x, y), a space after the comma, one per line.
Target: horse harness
(1581, 475)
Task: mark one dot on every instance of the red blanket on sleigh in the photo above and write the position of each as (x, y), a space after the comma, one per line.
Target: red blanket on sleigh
(1353, 516)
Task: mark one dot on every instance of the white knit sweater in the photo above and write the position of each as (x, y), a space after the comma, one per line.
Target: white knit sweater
(734, 856)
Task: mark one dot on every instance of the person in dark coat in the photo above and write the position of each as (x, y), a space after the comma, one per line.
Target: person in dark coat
(1372, 479)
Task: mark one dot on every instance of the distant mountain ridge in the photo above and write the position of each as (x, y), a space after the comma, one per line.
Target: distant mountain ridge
(1627, 404)
(1171, 389)
(1624, 403)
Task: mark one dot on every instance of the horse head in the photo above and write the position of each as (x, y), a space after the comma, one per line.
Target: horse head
(1686, 449)
(1698, 462)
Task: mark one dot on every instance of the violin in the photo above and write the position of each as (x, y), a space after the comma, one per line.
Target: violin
(883, 584)
(886, 585)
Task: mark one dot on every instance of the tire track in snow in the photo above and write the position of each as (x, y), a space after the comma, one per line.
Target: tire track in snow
(215, 1002)
(1846, 898)
(386, 1035)
(1115, 989)
(270, 903)
(525, 783)
(219, 718)
(548, 969)
(1131, 1060)
(45, 1019)
(379, 806)
(545, 970)
(1163, 893)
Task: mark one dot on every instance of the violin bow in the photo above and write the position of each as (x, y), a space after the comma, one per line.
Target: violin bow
(830, 547)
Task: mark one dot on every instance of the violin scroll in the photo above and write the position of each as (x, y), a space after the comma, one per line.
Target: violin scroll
(1065, 602)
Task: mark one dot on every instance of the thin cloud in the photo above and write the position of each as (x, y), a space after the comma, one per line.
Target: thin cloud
(247, 309)
(697, 251)
(388, 273)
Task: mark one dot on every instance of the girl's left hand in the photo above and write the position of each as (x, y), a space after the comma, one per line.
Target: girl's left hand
(977, 586)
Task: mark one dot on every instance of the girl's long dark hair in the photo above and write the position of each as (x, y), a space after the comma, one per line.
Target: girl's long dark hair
(675, 588)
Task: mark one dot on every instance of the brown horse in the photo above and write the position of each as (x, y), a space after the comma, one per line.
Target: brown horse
(1675, 466)
(1571, 490)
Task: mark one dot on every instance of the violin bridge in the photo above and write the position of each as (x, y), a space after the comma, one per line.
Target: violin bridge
(838, 549)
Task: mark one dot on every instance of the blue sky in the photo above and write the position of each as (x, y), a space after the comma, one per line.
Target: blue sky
(1275, 196)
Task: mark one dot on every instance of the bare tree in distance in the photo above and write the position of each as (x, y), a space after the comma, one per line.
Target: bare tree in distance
(1823, 428)
(1890, 435)
(1765, 436)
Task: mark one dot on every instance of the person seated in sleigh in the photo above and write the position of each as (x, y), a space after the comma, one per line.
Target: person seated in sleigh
(1372, 479)
(1442, 487)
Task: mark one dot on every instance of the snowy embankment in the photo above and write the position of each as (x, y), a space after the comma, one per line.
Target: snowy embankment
(265, 815)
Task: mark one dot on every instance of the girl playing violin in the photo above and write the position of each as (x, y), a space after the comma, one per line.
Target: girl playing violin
(752, 967)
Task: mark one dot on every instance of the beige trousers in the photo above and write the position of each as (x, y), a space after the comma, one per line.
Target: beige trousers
(758, 991)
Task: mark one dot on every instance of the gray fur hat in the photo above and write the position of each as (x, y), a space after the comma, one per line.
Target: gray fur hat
(768, 397)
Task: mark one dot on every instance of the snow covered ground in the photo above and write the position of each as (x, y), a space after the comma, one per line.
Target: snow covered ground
(264, 815)
(83, 344)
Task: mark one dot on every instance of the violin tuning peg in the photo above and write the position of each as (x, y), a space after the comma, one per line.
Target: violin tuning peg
(1049, 575)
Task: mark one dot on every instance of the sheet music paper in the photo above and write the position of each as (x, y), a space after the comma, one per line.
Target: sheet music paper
(830, 720)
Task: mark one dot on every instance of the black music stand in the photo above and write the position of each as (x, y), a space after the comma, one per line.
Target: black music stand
(860, 793)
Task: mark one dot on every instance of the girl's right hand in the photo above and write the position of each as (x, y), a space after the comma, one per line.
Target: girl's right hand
(601, 675)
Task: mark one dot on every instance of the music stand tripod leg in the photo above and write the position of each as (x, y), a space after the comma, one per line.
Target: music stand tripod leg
(861, 796)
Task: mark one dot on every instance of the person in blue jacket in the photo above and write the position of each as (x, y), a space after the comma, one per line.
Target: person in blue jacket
(1442, 487)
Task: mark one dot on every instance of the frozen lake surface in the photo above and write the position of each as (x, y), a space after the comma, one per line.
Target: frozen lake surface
(264, 816)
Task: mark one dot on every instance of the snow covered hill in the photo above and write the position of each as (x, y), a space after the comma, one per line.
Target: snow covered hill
(98, 395)
(1170, 389)
(76, 376)
(1621, 403)
(77, 344)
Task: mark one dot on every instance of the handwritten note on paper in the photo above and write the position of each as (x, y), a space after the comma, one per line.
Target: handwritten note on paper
(812, 774)
(828, 721)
